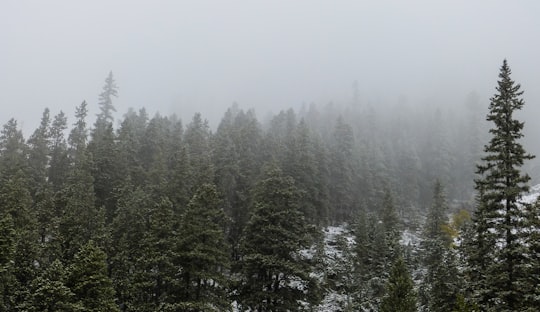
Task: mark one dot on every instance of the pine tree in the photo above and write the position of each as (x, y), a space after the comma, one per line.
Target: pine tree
(501, 185)
(400, 290)
(38, 155)
(390, 222)
(7, 255)
(106, 107)
(204, 255)
(237, 156)
(275, 274)
(532, 284)
(199, 153)
(372, 255)
(80, 220)
(126, 263)
(440, 285)
(58, 164)
(50, 293)
(158, 278)
(89, 282)
(342, 171)
(130, 146)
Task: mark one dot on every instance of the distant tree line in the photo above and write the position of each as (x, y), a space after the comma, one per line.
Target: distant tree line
(158, 215)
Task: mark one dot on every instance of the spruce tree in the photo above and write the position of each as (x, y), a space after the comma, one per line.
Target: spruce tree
(80, 220)
(440, 285)
(58, 163)
(89, 282)
(7, 255)
(204, 256)
(159, 271)
(126, 262)
(532, 297)
(275, 274)
(50, 293)
(501, 184)
(400, 294)
(106, 107)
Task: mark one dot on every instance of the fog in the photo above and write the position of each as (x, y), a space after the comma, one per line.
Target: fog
(201, 56)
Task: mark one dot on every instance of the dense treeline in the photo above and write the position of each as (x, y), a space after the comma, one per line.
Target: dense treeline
(155, 214)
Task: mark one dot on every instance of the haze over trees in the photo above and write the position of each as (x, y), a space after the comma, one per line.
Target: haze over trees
(340, 206)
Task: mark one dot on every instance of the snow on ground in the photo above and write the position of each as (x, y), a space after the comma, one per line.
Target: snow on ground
(534, 193)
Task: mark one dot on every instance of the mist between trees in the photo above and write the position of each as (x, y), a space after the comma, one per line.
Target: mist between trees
(160, 214)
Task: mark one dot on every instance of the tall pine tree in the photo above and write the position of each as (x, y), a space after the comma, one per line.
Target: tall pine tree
(500, 218)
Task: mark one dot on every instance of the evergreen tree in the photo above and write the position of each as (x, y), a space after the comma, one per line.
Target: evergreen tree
(342, 171)
(7, 255)
(390, 223)
(532, 284)
(127, 251)
(80, 220)
(58, 164)
(501, 185)
(204, 255)
(159, 276)
(38, 155)
(237, 156)
(16, 200)
(130, 146)
(441, 285)
(106, 107)
(104, 151)
(50, 293)
(199, 153)
(400, 290)
(89, 282)
(372, 255)
(275, 274)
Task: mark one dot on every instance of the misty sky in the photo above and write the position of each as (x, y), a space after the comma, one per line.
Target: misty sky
(188, 56)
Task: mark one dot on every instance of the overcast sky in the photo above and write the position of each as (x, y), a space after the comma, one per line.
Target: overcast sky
(188, 56)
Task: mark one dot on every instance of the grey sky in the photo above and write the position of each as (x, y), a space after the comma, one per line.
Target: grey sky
(188, 56)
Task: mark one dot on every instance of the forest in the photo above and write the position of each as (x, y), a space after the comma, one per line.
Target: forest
(325, 208)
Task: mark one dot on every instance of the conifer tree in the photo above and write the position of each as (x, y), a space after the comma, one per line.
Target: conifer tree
(342, 171)
(89, 282)
(440, 285)
(390, 222)
(50, 293)
(106, 107)
(7, 255)
(532, 278)
(38, 155)
(158, 278)
(126, 263)
(80, 220)
(275, 274)
(58, 164)
(199, 153)
(103, 149)
(372, 255)
(204, 255)
(400, 290)
(501, 184)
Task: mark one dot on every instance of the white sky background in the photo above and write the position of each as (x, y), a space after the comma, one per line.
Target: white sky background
(201, 55)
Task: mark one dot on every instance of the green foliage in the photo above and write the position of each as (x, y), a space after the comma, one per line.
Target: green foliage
(441, 282)
(203, 252)
(89, 282)
(500, 221)
(400, 294)
(275, 274)
(106, 107)
(7, 254)
(50, 293)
